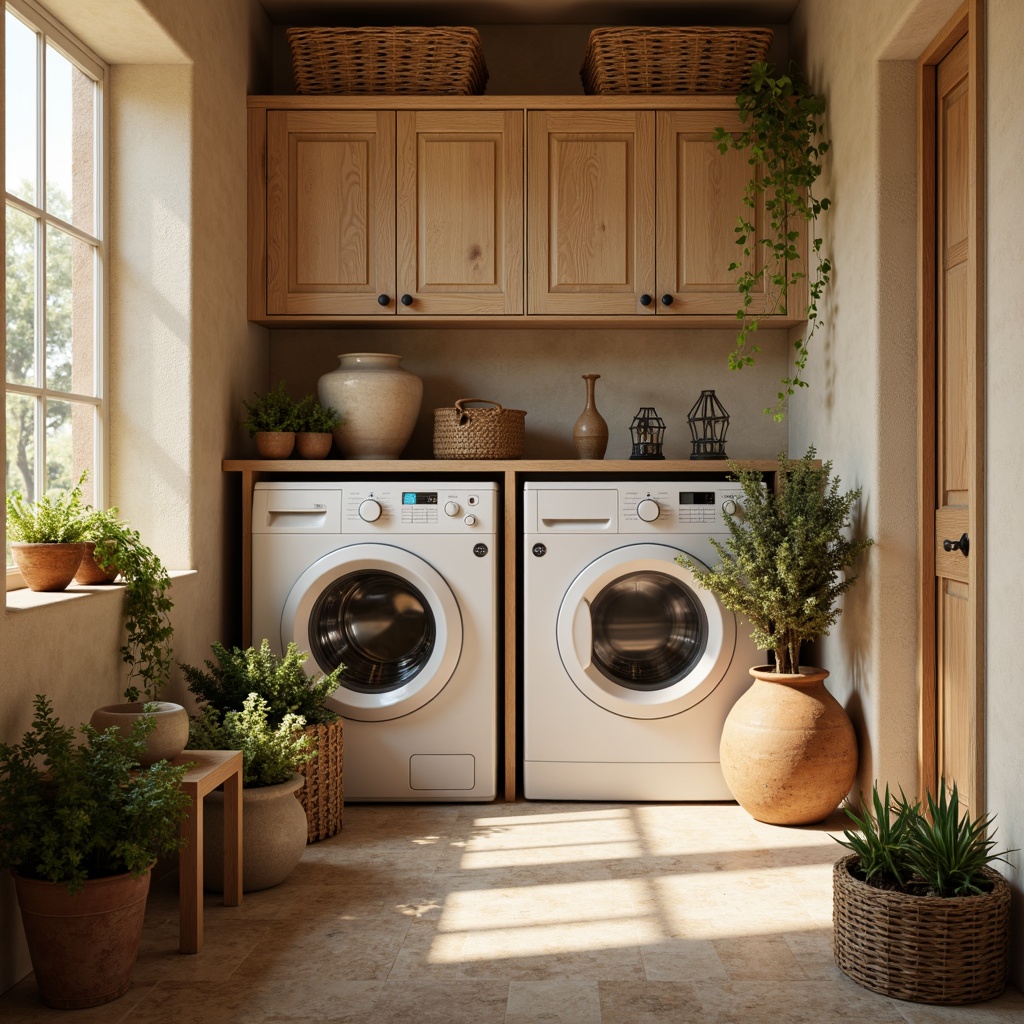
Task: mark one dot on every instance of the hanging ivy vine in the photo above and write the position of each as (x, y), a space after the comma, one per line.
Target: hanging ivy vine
(782, 136)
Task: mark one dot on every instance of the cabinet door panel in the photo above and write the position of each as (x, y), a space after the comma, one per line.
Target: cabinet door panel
(460, 212)
(330, 212)
(590, 211)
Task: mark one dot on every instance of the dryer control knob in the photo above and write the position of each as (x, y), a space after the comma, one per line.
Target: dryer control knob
(729, 507)
(369, 510)
(648, 510)
(451, 508)
(470, 520)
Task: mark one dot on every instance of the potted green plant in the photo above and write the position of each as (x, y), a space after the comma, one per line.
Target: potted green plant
(274, 835)
(918, 911)
(81, 825)
(47, 536)
(788, 751)
(287, 688)
(270, 420)
(782, 136)
(314, 426)
(119, 551)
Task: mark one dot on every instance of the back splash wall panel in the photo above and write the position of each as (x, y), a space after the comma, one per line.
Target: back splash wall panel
(540, 371)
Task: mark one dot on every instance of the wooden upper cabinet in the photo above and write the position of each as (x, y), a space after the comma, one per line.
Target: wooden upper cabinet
(460, 212)
(590, 220)
(330, 228)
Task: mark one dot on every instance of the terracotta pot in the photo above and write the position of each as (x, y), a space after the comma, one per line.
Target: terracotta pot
(590, 431)
(83, 946)
(273, 835)
(313, 445)
(89, 573)
(165, 742)
(275, 444)
(47, 567)
(788, 751)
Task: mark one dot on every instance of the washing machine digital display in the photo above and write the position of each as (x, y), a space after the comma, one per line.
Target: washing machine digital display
(419, 497)
(696, 497)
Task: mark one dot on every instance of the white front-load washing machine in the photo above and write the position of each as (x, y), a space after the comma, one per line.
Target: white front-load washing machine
(397, 581)
(629, 667)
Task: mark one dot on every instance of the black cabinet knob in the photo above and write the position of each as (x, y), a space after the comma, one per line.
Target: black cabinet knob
(666, 299)
(383, 300)
(963, 545)
(406, 299)
(645, 300)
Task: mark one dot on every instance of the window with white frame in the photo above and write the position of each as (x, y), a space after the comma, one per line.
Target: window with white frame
(54, 185)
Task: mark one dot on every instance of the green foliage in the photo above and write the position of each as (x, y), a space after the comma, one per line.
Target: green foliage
(270, 754)
(58, 517)
(147, 650)
(312, 417)
(273, 411)
(71, 812)
(782, 136)
(783, 565)
(281, 682)
(940, 853)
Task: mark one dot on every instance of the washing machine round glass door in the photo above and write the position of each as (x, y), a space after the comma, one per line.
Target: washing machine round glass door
(386, 615)
(639, 638)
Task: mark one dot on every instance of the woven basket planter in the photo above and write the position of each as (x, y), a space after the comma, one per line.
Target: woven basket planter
(461, 433)
(925, 949)
(693, 59)
(322, 797)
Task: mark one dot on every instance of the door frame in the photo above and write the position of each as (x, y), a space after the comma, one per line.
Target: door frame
(967, 20)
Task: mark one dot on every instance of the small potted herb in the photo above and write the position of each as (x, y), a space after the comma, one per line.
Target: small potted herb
(271, 421)
(314, 426)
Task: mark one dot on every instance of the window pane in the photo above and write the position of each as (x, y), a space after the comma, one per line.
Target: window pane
(69, 445)
(70, 153)
(21, 297)
(21, 448)
(69, 313)
(21, 114)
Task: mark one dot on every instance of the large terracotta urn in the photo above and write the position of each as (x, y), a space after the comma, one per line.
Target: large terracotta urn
(788, 752)
(378, 402)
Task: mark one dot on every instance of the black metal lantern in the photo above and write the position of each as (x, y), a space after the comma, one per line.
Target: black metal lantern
(648, 433)
(708, 425)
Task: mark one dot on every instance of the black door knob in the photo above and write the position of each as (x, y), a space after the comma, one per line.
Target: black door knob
(963, 545)
(383, 300)
(406, 299)
(645, 299)
(666, 299)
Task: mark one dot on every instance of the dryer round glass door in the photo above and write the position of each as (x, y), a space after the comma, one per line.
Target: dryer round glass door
(639, 638)
(386, 615)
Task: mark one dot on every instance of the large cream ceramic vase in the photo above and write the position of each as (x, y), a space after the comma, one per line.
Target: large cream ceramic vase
(789, 752)
(378, 402)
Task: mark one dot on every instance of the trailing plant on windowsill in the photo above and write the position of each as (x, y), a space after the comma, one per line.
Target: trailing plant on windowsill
(783, 137)
(58, 517)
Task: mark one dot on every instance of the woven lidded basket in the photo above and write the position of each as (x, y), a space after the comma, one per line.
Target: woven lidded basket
(446, 60)
(692, 59)
(461, 433)
(927, 949)
(322, 797)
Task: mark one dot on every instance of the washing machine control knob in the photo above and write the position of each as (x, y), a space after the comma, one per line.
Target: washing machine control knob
(451, 508)
(369, 510)
(470, 520)
(648, 510)
(729, 507)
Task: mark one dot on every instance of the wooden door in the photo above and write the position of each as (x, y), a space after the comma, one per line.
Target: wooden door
(460, 212)
(331, 212)
(953, 418)
(700, 199)
(590, 212)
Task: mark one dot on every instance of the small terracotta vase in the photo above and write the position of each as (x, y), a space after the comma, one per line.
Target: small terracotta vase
(276, 444)
(788, 751)
(590, 431)
(47, 567)
(90, 574)
(313, 445)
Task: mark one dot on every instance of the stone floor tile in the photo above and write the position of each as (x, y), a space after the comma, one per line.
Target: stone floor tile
(449, 1002)
(1007, 1009)
(650, 1002)
(558, 1001)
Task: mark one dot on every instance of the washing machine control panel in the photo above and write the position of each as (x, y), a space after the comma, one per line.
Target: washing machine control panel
(678, 506)
(419, 508)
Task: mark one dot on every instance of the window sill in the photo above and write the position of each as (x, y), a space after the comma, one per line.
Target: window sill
(24, 599)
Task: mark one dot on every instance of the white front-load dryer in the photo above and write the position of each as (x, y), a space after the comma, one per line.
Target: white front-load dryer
(629, 667)
(397, 581)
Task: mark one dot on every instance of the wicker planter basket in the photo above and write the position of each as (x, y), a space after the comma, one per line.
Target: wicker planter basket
(322, 797)
(441, 61)
(926, 949)
(622, 61)
(461, 433)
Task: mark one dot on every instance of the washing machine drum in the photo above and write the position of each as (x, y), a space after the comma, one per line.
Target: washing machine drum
(639, 637)
(386, 615)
